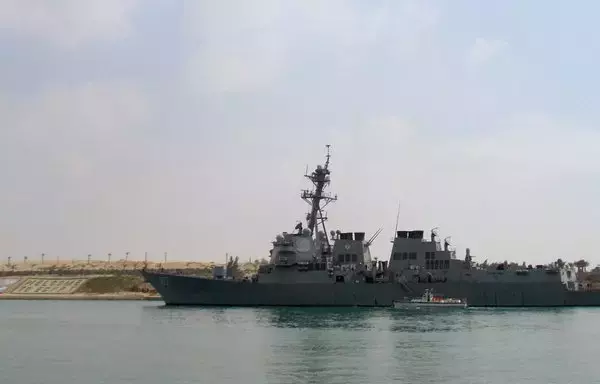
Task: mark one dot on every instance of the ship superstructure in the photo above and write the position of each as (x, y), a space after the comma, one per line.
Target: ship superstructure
(308, 248)
(308, 255)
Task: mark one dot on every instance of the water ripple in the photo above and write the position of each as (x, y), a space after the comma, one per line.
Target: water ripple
(112, 342)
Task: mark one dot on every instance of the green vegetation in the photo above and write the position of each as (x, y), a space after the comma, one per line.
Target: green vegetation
(115, 284)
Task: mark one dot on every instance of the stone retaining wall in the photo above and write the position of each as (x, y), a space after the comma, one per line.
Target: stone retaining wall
(46, 285)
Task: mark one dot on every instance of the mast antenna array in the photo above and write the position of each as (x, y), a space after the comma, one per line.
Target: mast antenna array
(317, 198)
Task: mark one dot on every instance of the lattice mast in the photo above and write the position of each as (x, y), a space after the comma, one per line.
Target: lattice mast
(317, 198)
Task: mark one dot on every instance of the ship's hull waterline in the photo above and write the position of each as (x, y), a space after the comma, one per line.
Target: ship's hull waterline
(197, 291)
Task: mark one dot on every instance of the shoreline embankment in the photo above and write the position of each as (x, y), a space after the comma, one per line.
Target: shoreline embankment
(80, 297)
(95, 287)
(92, 280)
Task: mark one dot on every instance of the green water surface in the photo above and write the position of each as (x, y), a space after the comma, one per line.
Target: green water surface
(63, 342)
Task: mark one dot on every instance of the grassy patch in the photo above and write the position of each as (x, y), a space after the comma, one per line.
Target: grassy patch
(113, 284)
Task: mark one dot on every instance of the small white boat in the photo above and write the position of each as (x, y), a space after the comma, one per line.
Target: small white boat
(429, 300)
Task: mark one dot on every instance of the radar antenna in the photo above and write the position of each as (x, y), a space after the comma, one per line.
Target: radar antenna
(320, 179)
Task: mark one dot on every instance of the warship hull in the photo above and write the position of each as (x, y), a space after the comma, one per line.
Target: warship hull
(197, 291)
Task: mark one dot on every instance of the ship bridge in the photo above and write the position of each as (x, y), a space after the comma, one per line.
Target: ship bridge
(293, 248)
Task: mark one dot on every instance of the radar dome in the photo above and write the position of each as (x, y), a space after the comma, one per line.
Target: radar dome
(306, 232)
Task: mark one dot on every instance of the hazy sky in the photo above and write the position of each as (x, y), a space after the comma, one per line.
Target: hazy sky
(186, 126)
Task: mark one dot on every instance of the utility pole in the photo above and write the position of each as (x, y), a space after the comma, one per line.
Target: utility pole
(43, 254)
(165, 257)
(126, 256)
(145, 257)
(109, 255)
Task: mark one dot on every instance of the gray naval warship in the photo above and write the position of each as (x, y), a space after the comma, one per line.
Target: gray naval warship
(309, 268)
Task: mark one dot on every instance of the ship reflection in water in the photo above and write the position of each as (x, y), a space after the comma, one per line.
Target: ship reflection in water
(382, 320)
(317, 318)
(354, 319)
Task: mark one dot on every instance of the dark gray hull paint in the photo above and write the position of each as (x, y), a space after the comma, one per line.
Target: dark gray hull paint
(196, 291)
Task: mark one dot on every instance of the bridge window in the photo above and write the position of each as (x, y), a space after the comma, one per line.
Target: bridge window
(340, 259)
(397, 256)
(446, 264)
(432, 255)
(427, 264)
(354, 257)
(436, 264)
(427, 255)
(413, 256)
(404, 256)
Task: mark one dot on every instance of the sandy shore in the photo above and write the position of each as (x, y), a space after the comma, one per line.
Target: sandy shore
(98, 265)
(81, 296)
